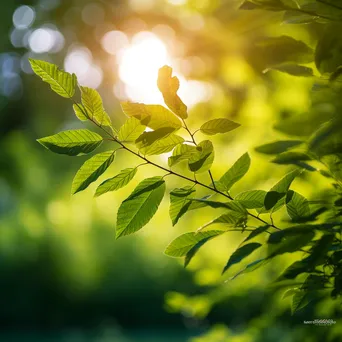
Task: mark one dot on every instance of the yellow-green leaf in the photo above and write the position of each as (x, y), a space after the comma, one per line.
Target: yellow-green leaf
(92, 102)
(72, 143)
(91, 170)
(153, 116)
(202, 160)
(117, 182)
(60, 81)
(131, 130)
(163, 145)
(80, 111)
(169, 86)
(138, 209)
(221, 125)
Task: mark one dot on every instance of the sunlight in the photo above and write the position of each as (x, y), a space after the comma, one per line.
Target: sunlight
(139, 64)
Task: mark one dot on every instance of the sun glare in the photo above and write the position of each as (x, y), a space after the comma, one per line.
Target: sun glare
(139, 64)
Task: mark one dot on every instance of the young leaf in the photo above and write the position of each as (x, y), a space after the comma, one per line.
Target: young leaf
(277, 147)
(235, 173)
(194, 250)
(80, 111)
(179, 203)
(230, 218)
(275, 198)
(184, 243)
(252, 199)
(256, 232)
(202, 160)
(251, 267)
(91, 170)
(92, 102)
(131, 130)
(241, 253)
(215, 126)
(60, 81)
(153, 116)
(72, 143)
(138, 209)
(169, 86)
(117, 182)
(297, 206)
(181, 152)
(163, 145)
(232, 205)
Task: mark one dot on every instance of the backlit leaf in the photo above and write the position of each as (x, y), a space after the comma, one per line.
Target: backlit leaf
(215, 126)
(235, 173)
(184, 243)
(292, 69)
(181, 152)
(153, 116)
(80, 111)
(231, 218)
(275, 198)
(131, 130)
(117, 182)
(72, 143)
(60, 81)
(241, 253)
(92, 102)
(169, 86)
(297, 206)
(163, 145)
(203, 158)
(290, 158)
(139, 207)
(91, 170)
(252, 199)
(179, 203)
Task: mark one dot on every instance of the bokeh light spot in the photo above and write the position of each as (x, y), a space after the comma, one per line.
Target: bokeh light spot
(23, 17)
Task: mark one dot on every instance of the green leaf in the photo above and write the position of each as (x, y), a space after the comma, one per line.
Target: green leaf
(275, 198)
(290, 158)
(117, 182)
(231, 218)
(72, 143)
(215, 126)
(60, 81)
(169, 86)
(91, 170)
(283, 50)
(297, 206)
(179, 202)
(203, 158)
(80, 111)
(163, 145)
(153, 116)
(241, 253)
(92, 102)
(235, 173)
(139, 207)
(194, 250)
(181, 152)
(251, 267)
(299, 301)
(289, 241)
(292, 69)
(277, 147)
(252, 199)
(256, 232)
(184, 243)
(131, 130)
(149, 138)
